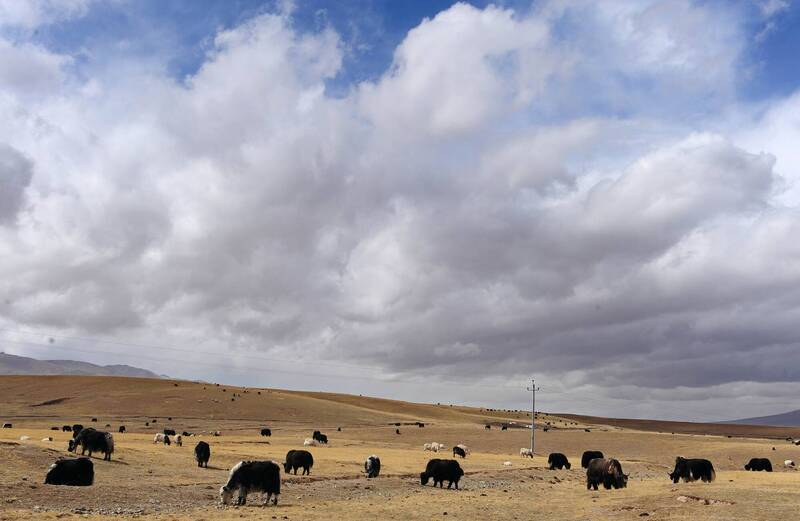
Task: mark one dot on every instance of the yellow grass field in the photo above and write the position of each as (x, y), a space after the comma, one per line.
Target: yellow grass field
(148, 481)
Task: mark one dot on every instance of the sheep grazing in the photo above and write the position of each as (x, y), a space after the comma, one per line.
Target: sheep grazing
(252, 476)
(525, 452)
(178, 440)
(161, 438)
(789, 464)
(310, 442)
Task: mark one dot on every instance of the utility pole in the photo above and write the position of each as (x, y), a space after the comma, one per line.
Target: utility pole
(532, 389)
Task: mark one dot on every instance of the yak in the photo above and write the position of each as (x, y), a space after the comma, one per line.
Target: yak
(372, 466)
(692, 469)
(77, 472)
(759, 464)
(442, 470)
(202, 453)
(556, 460)
(296, 459)
(253, 476)
(589, 455)
(605, 471)
(93, 441)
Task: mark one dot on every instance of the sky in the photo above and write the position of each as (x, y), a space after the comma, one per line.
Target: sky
(431, 201)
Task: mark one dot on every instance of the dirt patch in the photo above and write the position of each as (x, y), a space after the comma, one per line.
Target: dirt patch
(52, 402)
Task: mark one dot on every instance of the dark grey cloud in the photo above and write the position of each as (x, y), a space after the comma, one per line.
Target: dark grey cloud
(16, 172)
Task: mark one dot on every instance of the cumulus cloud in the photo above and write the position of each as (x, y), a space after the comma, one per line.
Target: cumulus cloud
(30, 14)
(517, 193)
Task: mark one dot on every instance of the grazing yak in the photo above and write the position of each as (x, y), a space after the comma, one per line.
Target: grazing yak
(759, 464)
(556, 460)
(442, 470)
(169, 432)
(186, 434)
(458, 451)
(322, 438)
(252, 476)
(504, 428)
(526, 452)
(72, 472)
(93, 441)
(605, 471)
(178, 440)
(76, 429)
(296, 459)
(589, 455)
(55, 428)
(692, 469)
(202, 453)
(397, 431)
(266, 432)
(372, 466)
(122, 429)
(8, 426)
(66, 428)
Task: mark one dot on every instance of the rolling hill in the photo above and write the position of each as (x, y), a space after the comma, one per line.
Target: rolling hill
(787, 419)
(23, 365)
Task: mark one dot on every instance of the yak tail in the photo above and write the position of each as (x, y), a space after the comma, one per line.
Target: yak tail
(712, 475)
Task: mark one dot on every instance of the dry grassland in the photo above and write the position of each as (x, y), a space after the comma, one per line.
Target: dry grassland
(163, 483)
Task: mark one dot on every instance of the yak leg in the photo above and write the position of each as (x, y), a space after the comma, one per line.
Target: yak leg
(242, 496)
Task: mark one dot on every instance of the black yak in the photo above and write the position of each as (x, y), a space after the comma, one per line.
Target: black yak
(93, 441)
(605, 471)
(372, 466)
(442, 470)
(266, 432)
(72, 472)
(692, 469)
(253, 476)
(759, 464)
(556, 460)
(589, 455)
(202, 453)
(296, 459)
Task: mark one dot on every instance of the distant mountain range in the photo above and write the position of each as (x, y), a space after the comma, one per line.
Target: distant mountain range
(22, 365)
(787, 419)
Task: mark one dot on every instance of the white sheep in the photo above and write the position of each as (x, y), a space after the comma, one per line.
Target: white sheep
(310, 442)
(526, 452)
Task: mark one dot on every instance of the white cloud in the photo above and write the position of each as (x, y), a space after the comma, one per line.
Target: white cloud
(30, 14)
(548, 192)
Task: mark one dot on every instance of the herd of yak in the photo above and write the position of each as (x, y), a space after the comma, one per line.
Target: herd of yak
(264, 476)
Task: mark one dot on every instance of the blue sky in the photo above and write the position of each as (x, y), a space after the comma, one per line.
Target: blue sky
(369, 196)
(179, 32)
